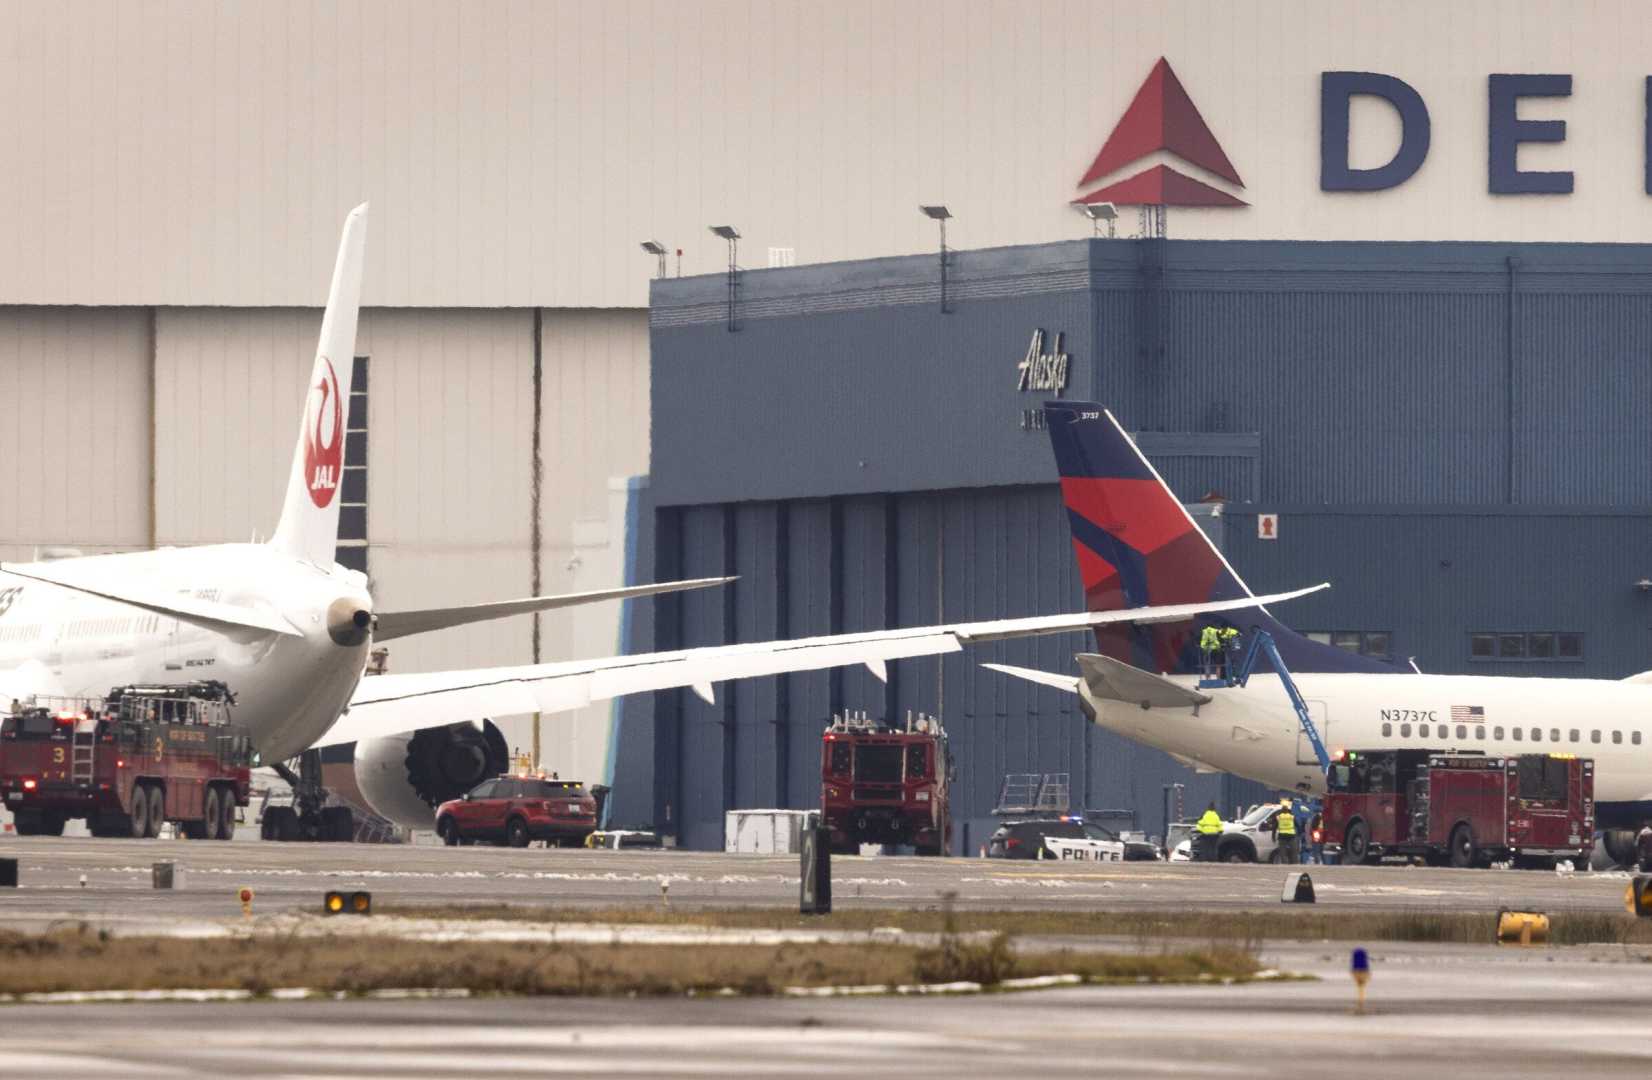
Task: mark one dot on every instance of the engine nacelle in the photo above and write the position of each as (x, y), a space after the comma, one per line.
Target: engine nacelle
(405, 777)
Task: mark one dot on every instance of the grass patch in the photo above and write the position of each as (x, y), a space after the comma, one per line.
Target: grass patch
(1243, 929)
(88, 960)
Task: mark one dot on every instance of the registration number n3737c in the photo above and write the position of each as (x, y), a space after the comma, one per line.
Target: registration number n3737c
(1410, 716)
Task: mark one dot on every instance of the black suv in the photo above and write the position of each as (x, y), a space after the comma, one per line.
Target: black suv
(1025, 839)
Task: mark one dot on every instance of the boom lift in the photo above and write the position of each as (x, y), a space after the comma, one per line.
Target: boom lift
(1261, 641)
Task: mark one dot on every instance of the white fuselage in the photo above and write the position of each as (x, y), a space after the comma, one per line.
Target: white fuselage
(1252, 731)
(289, 689)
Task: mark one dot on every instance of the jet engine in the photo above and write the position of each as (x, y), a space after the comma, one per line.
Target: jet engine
(405, 777)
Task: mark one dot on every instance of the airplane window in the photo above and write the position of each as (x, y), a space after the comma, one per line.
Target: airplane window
(1516, 733)
(1635, 738)
(1537, 734)
(1497, 733)
(1617, 738)
(1480, 731)
(1575, 735)
(1554, 734)
(1405, 731)
(1387, 728)
(1462, 731)
(1440, 731)
(1594, 736)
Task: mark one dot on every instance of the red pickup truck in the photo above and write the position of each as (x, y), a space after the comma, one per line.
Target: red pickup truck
(517, 809)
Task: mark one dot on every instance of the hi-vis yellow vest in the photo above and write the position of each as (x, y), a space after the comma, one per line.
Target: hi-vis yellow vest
(1287, 823)
(1210, 823)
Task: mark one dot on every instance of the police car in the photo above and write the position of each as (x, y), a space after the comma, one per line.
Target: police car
(1065, 838)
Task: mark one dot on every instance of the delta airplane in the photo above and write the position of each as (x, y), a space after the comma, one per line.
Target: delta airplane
(1136, 546)
(288, 630)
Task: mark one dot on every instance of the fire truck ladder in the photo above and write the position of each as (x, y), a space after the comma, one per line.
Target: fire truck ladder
(83, 745)
(1262, 641)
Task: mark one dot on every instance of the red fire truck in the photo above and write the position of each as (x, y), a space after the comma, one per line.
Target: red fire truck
(1461, 809)
(140, 757)
(886, 785)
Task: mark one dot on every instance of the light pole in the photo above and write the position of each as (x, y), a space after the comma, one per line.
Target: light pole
(1098, 213)
(732, 235)
(940, 214)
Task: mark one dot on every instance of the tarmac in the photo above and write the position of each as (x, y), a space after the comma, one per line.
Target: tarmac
(1472, 1010)
(117, 875)
(1460, 1011)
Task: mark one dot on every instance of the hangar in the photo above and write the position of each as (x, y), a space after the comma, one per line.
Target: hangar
(1452, 434)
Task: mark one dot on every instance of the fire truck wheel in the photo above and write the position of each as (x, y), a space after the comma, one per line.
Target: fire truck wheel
(516, 832)
(157, 811)
(139, 811)
(226, 824)
(1463, 852)
(212, 815)
(1356, 844)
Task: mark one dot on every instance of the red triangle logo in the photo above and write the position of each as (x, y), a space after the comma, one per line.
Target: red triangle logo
(1162, 117)
(1162, 186)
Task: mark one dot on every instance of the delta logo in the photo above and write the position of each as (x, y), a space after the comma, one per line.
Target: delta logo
(1162, 117)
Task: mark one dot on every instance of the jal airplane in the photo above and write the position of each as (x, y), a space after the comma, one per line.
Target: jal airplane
(1137, 546)
(288, 630)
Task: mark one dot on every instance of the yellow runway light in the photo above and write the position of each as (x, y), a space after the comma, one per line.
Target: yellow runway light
(342, 903)
(1638, 896)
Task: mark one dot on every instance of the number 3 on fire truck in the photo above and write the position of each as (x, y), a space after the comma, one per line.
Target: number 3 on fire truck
(57, 755)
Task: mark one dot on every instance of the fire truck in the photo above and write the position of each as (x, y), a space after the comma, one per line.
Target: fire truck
(880, 784)
(1460, 809)
(127, 763)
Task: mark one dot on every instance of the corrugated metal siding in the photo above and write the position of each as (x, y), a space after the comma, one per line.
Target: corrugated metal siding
(74, 429)
(185, 153)
(866, 563)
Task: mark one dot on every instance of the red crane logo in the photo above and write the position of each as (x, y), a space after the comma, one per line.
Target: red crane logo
(324, 438)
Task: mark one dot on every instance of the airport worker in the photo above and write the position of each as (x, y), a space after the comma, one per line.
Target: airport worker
(1229, 638)
(1206, 830)
(1210, 644)
(1643, 848)
(1303, 810)
(1285, 835)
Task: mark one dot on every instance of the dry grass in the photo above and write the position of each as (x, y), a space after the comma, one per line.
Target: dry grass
(1247, 929)
(90, 960)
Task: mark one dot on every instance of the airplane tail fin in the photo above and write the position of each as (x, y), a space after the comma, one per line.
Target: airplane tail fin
(1137, 546)
(308, 528)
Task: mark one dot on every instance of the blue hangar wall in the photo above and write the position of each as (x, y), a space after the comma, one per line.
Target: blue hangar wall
(1456, 435)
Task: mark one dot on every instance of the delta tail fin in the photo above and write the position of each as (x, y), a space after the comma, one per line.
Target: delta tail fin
(308, 528)
(1137, 546)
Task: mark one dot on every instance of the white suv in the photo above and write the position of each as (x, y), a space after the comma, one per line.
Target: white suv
(1253, 838)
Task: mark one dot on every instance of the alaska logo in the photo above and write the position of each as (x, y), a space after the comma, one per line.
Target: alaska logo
(324, 438)
(1162, 117)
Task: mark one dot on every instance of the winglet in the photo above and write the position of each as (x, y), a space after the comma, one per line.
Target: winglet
(308, 528)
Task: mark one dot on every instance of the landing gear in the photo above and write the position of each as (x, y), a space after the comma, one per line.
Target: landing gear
(309, 817)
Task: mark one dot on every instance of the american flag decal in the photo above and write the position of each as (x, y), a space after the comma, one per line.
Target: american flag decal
(1468, 714)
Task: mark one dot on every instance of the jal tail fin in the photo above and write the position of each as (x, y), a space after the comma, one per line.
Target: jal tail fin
(308, 528)
(1137, 546)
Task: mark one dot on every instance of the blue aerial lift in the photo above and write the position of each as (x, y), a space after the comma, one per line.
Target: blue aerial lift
(1261, 641)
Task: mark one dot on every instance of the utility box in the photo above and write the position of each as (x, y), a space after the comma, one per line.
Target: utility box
(766, 832)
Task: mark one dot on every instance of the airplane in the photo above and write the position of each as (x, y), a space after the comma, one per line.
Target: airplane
(289, 632)
(1137, 546)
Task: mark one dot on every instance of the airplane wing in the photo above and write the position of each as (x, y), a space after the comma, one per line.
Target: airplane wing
(395, 624)
(211, 614)
(395, 704)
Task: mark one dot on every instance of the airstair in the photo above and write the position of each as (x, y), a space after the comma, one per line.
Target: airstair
(1034, 793)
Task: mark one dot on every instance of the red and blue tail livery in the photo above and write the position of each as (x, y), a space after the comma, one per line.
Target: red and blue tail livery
(1137, 546)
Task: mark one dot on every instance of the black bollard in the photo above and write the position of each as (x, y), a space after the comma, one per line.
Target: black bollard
(8, 873)
(815, 880)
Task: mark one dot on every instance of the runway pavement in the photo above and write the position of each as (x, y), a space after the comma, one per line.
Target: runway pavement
(1464, 1011)
(117, 881)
